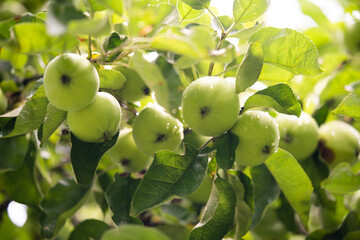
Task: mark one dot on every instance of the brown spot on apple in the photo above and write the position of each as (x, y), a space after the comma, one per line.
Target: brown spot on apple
(326, 154)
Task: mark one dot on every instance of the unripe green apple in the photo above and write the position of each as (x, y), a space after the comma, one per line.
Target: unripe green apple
(71, 82)
(202, 194)
(97, 122)
(194, 138)
(339, 142)
(154, 129)
(3, 102)
(210, 106)
(298, 136)
(258, 135)
(127, 153)
(134, 88)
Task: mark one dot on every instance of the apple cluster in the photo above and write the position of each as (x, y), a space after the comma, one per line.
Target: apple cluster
(72, 84)
(210, 107)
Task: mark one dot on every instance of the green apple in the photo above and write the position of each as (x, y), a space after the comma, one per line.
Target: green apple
(71, 82)
(127, 153)
(154, 129)
(202, 194)
(298, 136)
(258, 135)
(97, 122)
(339, 142)
(134, 88)
(210, 106)
(3, 102)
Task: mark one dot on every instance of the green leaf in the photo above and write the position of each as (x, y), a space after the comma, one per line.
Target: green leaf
(293, 182)
(279, 97)
(116, 5)
(272, 73)
(5, 26)
(338, 83)
(248, 10)
(197, 4)
(53, 119)
(170, 174)
(13, 151)
(152, 77)
(33, 38)
(195, 42)
(243, 212)
(188, 13)
(288, 49)
(30, 117)
(314, 11)
(134, 232)
(218, 216)
(174, 83)
(94, 27)
(342, 180)
(21, 185)
(61, 202)
(111, 42)
(175, 232)
(60, 14)
(119, 195)
(250, 68)
(111, 79)
(225, 146)
(349, 106)
(85, 157)
(266, 191)
(89, 229)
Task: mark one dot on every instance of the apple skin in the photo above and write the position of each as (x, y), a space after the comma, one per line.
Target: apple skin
(134, 88)
(258, 135)
(210, 106)
(71, 82)
(3, 102)
(339, 142)
(127, 153)
(154, 129)
(202, 194)
(298, 136)
(97, 122)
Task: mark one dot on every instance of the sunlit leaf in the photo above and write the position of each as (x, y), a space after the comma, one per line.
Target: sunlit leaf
(197, 4)
(342, 180)
(33, 38)
(170, 174)
(248, 10)
(349, 106)
(196, 42)
(288, 49)
(111, 79)
(250, 68)
(279, 97)
(293, 182)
